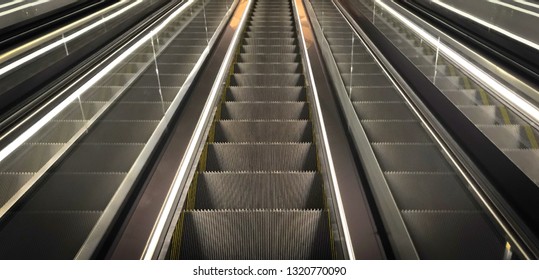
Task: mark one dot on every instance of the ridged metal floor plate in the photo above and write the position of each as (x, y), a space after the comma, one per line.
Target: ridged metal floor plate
(259, 234)
(283, 190)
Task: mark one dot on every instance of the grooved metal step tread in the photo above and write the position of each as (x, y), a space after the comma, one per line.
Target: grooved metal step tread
(265, 94)
(265, 111)
(241, 234)
(258, 157)
(268, 58)
(267, 68)
(267, 80)
(259, 191)
(263, 131)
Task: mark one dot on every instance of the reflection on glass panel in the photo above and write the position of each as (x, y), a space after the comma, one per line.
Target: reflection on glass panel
(123, 107)
(516, 137)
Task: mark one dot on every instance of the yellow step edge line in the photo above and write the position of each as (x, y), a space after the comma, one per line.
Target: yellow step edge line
(531, 137)
(505, 114)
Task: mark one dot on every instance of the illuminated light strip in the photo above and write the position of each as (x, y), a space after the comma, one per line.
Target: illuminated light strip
(513, 7)
(167, 208)
(64, 40)
(10, 11)
(527, 3)
(495, 85)
(485, 23)
(325, 140)
(75, 95)
(10, 3)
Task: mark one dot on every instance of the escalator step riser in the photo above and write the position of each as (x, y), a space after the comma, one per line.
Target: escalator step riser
(261, 157)
(261, 131)
(270, 23)
(265, 111)
(269, 68)
(269, 58)
(285, 49)
(272, 42)
(279, 80)
(255, 235)
(266, 94)
(259, 191)
(269, 35)
(270, 29)
(277, 13)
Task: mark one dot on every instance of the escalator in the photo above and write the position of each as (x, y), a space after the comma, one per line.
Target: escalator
(72, 187)
(258, 191)
(513, 134)
(435, 215)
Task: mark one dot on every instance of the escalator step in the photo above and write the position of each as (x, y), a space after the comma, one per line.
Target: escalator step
(265, 111)
(268, 58)
(256, 68)
(266, 94)
(258, 157)
(277, 80)
(263, 131)
(290, 190)
(256, 234)
(275, 42)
